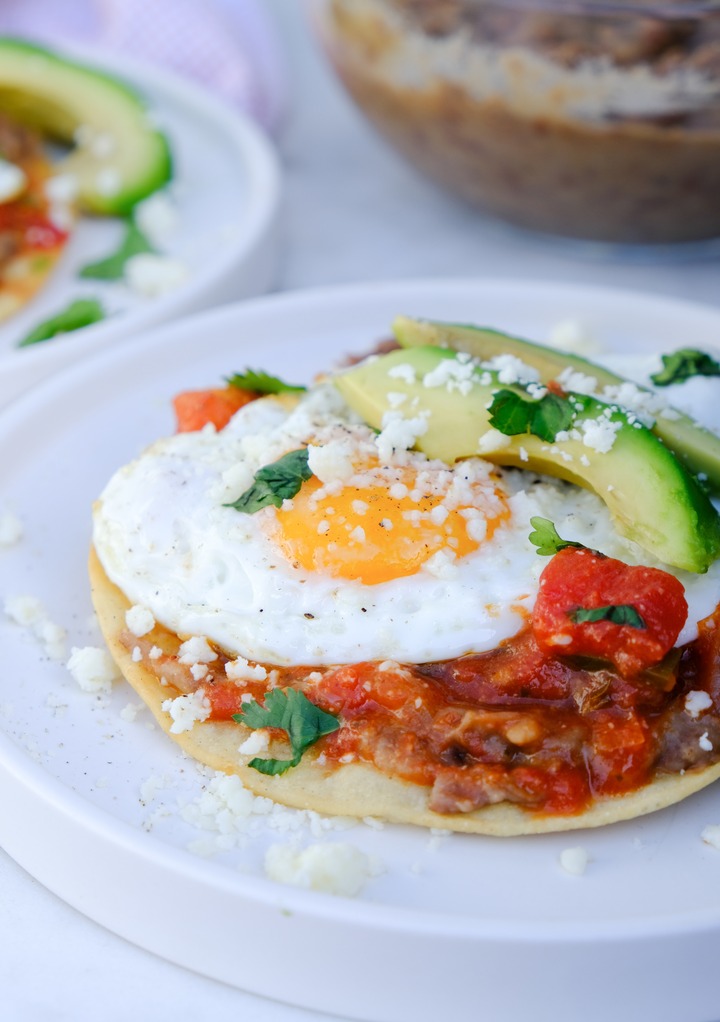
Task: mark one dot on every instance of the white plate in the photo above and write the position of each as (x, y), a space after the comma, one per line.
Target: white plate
(471, 924)
(225, 192)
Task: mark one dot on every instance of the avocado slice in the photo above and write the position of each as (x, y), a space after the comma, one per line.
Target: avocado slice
(652, 498)
(696, 446)
(118, 156)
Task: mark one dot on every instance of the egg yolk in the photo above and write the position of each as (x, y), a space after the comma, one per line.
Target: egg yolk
(372, 535)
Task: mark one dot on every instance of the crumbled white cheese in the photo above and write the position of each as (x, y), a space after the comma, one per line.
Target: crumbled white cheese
(644, 404)
(336, 868)
(61, 192)
(152, 785)
(256, 742)
(130, 712)
(697, 701)
(573, 381)
(52, 636)
(240, 670)
(230, 811)
(453, 374)
(599, 434)
(55, 703)
(441, 564)
(152, 275)
(29, 612)
(11, 529)
(574, 860)
(235, 480)
(24, 610)
(61, 189)
(92, 668)
(439, 514)
(196, 650)
(711, 835)
(476, 524)
(536, 391)
(13, 181)
(511, 369)
(186, 710)
(704, 742)
(333, 461)
(139, 620)
(399, 434)
(403, 371)
(493, 440)
(156, 216)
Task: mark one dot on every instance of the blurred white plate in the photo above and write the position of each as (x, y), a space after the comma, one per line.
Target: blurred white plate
(455, 924)
(225, 192)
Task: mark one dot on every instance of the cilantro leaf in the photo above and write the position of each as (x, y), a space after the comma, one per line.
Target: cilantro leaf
(291, 711)
(618, 614)
(683, 365)
(263, 383)
(80, 313)
(509, 413)
(545, 537)
(553, 415)
(512, 414)
(274, 483)
(113, 266)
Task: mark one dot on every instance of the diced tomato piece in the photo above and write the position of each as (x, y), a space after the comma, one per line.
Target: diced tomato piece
(33, 227)
(196, 408)
(559, 788)
(353, 688)
(578, 579)
(225, 700)
(621, 750)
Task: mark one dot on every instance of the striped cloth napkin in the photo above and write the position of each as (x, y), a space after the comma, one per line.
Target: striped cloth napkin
(229, 46)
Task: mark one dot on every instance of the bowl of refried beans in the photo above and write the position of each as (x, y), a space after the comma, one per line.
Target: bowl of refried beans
(582, 118)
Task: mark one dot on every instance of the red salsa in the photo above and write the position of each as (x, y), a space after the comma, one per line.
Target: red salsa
(520, 723)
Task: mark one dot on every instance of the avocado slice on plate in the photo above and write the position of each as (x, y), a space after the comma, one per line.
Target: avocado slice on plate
(651, 496)
(697, 447)
(117, 156)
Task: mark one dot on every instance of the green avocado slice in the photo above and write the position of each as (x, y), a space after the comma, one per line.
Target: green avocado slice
(118, 157)
(652, 498)
(697, 447)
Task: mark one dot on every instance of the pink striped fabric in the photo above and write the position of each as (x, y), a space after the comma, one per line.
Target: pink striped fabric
(228, 46)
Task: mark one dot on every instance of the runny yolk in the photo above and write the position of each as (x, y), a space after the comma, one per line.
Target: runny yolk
(370, 535)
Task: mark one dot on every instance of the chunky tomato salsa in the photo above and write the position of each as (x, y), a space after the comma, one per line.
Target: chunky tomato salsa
(518, 724)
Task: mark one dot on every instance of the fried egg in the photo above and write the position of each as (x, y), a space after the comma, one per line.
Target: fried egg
(382, 555)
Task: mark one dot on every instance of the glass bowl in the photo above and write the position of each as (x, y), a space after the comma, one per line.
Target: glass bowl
(588, 119)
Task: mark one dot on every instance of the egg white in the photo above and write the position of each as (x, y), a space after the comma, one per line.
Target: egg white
(166, 539)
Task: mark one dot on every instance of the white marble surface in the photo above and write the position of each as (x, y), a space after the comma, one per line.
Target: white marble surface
(352, 212)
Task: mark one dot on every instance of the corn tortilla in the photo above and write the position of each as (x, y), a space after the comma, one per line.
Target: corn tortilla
(359, 789)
